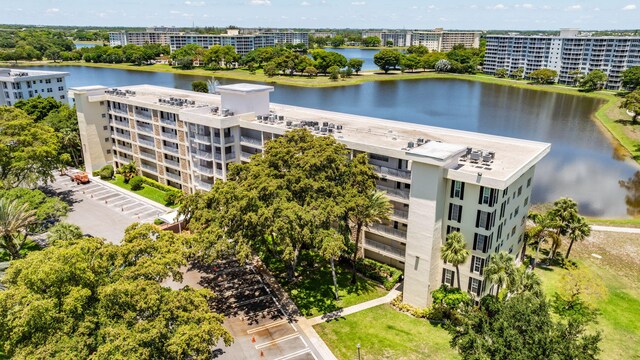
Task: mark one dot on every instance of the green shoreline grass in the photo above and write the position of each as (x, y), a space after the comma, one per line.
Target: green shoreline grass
(614, 128)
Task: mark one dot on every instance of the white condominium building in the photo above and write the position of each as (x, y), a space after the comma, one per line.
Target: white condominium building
(438, 180)
(122, 38)
(435, 40)
(18, 84)
(289, 37)
(242, 43)
(568, 54)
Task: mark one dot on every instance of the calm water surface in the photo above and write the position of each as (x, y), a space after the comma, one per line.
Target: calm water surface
(582, 163)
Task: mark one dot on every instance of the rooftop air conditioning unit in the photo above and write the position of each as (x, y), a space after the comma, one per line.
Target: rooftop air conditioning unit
(410, 145)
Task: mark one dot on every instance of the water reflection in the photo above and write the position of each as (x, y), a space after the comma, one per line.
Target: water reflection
(582, 163)
(632, 199)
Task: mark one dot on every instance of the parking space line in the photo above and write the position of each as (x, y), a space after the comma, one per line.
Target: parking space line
(297, 353)
(267, 326)
(279, 340)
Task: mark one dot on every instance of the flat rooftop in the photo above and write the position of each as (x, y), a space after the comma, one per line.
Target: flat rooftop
(6, 73)
(373, 134)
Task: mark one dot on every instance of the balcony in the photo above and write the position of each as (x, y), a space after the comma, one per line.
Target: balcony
(147, 155)
(150, 168)
(124, 112)
(400, 214)
(203, 184)
(171, 149)
(394, 193)
(250, 140)
(229, 140)
(246, 155)
(383, 249)
(218, 172)
(173, 176)
(169, 135)
(172, 163)
(204, 139)
(122, 124)
(202, 154)
(204, 170)
(148, 143)
(144, 128)
(388, 231)
(230, 156)
(385, 171)
(145, 115)
(168, 122)
(122, 136)
(126, 148)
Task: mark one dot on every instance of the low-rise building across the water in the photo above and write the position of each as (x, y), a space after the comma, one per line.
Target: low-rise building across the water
(438, 180)
(18, 84)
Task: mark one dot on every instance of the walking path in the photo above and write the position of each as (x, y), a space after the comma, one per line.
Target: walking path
(616, 229)
(355, 308)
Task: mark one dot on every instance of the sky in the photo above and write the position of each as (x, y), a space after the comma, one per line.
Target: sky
(388, 14)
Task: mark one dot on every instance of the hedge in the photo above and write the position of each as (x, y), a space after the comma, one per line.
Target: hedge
(383, 273)
(157, 185)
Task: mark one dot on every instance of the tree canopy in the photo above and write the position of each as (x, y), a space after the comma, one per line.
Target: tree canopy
(29, 151)
(594, 80)
(387, 59)
(543, 76)
(631, 78)
(631, 103)
(87, 298)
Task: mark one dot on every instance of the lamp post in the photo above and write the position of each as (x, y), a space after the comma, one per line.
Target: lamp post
(358, 346)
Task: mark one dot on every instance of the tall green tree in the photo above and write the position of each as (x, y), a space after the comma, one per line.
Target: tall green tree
(331, 246)
(387, 59)
(500, 270)
(594, 80)
(47, 209)
(14, 220)
(631, 103)
(64, 231)
(200, 86)
(371, 41)
(128, 171)
(544, 229)
(543, 76)
(90, 299)
(38, 107)
(631, 78)
(578, 230)
(355, 64)
(28, 150)
(454, 252)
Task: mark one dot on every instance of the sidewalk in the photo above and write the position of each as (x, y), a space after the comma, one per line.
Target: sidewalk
(355, 308)
(137, 197)
(616, 229)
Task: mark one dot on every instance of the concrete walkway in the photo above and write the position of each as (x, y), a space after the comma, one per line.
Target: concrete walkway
(616, 229)
(355, 308)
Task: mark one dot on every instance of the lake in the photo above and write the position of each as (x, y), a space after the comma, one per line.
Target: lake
(364, 54)
(582, 163)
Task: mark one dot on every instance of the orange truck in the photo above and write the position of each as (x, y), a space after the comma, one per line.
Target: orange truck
(79, 177)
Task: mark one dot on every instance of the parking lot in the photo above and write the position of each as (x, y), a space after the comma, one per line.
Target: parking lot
(103, 210)
(260, 327)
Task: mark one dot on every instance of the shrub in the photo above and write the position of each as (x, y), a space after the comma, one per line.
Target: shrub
(96, 173)
(106, 173)
(334, 73)
(156, 185)
(388, 276)
(171, 197)
(158, 222)
(136, 183)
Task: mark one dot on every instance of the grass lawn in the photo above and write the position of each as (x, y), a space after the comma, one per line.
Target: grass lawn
(385, 333)
(619, 269)
(147, 191)
(633, 222)
(312, 291)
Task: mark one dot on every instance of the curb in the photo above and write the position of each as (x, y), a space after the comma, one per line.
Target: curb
(131, 194)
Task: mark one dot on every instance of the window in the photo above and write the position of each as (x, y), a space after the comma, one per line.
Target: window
(59, 80)
(502, 209)
(455, 212)
(477, 265)
(105, 127)
(106, 139)
(513, 231)
(485, 195)
(104, 116)
(520, 190)
(451, 229)
(108, 151)
(485, 220)
(474, 286)
(49, 90)
(447, 276)
(47, 81)
(101, 103)
(499, 232)
(61, 97)
(457, 189)
(481, 242)
(60, 88)
(526, 201)
(515, 212)
(529, 182)
(377, 157)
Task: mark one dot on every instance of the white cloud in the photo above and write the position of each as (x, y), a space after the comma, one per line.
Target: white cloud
(175, 12)
(53, 11)
(473, 7)
(305, 3)
(358, 3)
(497, 7)
(194, 3)
(629, 7)
(260, 2)
(546, 7)
(574, 8)
(596, 9)
(527, 6)
(442, 19)
(431, 7)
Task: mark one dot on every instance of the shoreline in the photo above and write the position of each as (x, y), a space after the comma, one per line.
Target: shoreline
(615, 130)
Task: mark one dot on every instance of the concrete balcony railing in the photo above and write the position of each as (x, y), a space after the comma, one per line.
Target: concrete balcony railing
(204, 170)
(229, 139)
(122, 136)
(122, 124)
(172, 163)
(250, 140)
(173, 176)
(126, 148)
(168, 122)
(205, 139)
(144, 128)
(147, 143)
(148, 156)
(230, 156)
(143, 115)
(394, 193)
(402, 214)
(217, 172)
(203, 184)
(388, 231)
(383, 249)
(383, 170)
(119, 111)
(171, 149)
(202, 154)
(246, 155)
(150, 168)
(168, 135)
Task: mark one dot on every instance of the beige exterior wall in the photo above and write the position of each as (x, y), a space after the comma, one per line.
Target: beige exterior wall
(92, 120)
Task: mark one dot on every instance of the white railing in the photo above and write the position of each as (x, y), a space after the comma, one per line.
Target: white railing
(173, 176)
(403, 214)
(250, 140)
(245, 155)
(124, 147)
(122, 136)
(230, 156)
(203, 184)
(145, 128)
(148, 155)
(229, 139)
(217, 172)
(394, 192)
(204, 170)
(404, 174)
(168, 122)
(147, 142)
(171, 149)
(172, 163)
(379, 228)
(120, 111)
(202, 154)
(150, 168)
(169, 135)
(143, 115)
(384, 249)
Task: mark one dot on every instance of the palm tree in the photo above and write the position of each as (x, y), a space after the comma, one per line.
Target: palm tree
(64, 232)
(454, 252)
(565, 211)
(374, 208)
(128, 171)
(14, 219)
(525, 280)
(70, 140)
(331, 247)
(543, 230)
(578, 231)
(500, 270)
